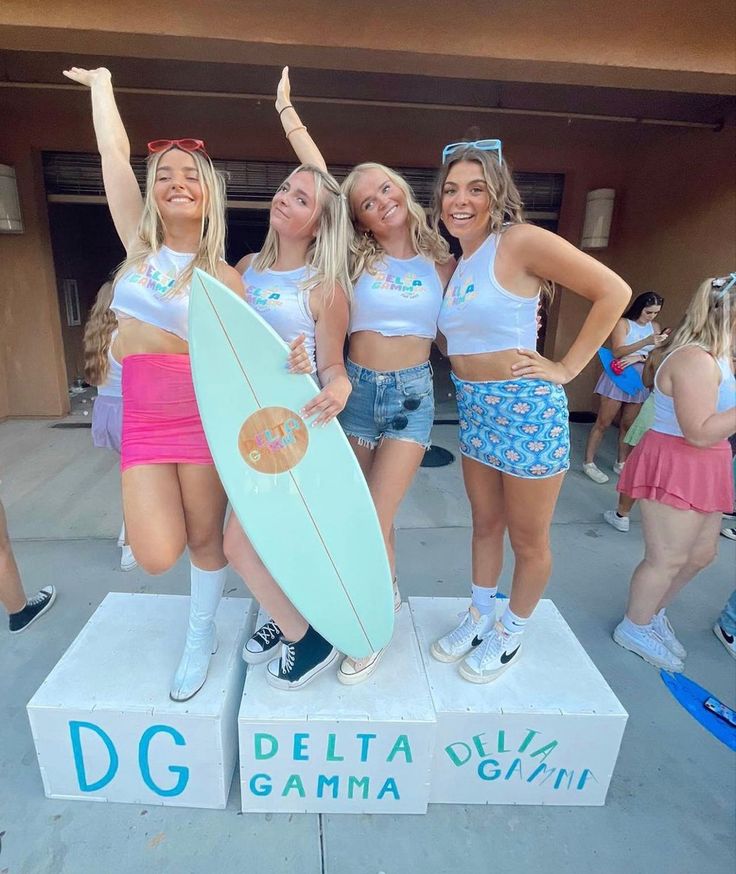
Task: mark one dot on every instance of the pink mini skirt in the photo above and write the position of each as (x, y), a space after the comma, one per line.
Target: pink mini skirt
(161, 423)
(670, 470)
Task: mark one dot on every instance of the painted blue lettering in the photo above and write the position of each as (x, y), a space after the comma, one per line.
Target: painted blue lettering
(332, 782)
(143, 761)
(300, 753)
(260, 784)
(365, 740)
(74, 732)
(389, 786)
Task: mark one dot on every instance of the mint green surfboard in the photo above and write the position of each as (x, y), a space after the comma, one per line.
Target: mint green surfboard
(298, 491)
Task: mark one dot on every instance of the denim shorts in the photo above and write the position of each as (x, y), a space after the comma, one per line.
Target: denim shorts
(517, 426)
(389, 404)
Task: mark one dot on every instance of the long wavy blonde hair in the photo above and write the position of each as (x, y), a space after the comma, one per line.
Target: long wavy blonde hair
(327, 253)
(98, 331)
(365, 250)
(708, 321)
(151, 230)
(506, 207)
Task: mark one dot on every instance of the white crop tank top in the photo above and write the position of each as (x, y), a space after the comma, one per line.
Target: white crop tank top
(665, 418)
(145, 294)
(479, 315)
(113, 384)
(636, 332)
(402, 298)
(278, 296)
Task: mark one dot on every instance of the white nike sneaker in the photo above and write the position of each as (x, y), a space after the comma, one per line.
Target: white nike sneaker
(465, 637)
(650, 646)
(498, 651)
(661, 624)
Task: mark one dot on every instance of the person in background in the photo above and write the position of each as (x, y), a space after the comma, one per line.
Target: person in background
(635, 335)
(104, 371)
(22, 611)
(681, 470)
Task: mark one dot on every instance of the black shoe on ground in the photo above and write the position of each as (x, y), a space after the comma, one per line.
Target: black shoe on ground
(300, 662)
(34, 609)
(262, 644)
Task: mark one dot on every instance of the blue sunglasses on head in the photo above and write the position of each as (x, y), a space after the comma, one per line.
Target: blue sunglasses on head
(724, 284)
(483, 145)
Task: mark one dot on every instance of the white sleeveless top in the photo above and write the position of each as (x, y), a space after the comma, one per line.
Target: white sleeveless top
(278, 296)
(112, 386)
(636, 332)
(402, 298)
(665, 419)
(479, 315)
(146, 294)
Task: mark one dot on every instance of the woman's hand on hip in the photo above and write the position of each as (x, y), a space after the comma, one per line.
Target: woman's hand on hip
(532, 365)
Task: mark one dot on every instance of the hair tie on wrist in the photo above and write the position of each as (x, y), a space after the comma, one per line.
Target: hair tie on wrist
(288, 106)
(298, 127)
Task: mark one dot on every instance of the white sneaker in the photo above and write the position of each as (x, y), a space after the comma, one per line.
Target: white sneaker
(729, 533)
(592, 471)
(661, 624)
(466, 636)
(397, 596)
(620, 523)
(352, 671)
(128, 561)
(618, 467)
(650, 646)
(499, 651)
(728, 640)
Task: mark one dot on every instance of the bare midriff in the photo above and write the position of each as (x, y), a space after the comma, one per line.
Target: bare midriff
(485, 366)
(376, 352)
(140, 338)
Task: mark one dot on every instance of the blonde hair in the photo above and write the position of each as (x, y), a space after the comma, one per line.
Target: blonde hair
(98, 331)
(365, 250)
(151, 229)
(506, 206)
(327, 253)
(708, 321)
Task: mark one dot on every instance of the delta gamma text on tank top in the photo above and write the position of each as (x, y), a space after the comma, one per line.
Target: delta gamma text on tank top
(401, 298)
(479, 315)
(145, 293)
(279, 297)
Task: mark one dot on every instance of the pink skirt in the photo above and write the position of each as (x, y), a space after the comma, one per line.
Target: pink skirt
(672, 471)
(161, 423)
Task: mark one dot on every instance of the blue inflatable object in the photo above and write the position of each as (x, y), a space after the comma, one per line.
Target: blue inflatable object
(629, 380)
(693, 697)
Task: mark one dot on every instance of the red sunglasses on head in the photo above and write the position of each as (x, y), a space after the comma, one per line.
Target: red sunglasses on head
(187, 145)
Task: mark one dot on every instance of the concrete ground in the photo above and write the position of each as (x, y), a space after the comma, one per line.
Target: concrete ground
(671, 802)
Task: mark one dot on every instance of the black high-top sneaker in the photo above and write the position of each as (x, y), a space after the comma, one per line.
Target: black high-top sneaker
(261, 646)
(301, 661)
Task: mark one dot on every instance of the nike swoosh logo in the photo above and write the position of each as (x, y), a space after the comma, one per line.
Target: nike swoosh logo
(729, 637)
(476, 642)
(507, 656)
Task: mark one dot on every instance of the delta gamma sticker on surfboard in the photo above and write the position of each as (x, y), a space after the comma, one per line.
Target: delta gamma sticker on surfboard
(298, 491)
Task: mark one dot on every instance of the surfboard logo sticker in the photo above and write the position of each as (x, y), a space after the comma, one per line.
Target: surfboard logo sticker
(273, 440)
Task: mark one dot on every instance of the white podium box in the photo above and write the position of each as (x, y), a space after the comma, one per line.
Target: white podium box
(104, 726)
(330, 748)
(548, 731)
